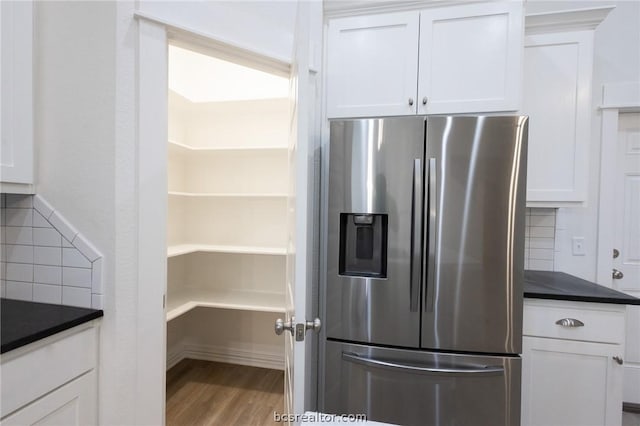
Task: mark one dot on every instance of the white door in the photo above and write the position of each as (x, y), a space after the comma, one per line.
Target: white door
(299, 217)
(626, 241)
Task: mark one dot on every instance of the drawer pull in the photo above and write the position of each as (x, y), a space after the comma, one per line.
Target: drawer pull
(570, 322)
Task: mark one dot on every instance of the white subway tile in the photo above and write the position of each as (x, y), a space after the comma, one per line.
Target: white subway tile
(539, 211)
(540, 265)
(3, 217)
(3, 234)
(85, 247)
(96, 276)
(18, 217)
(96, 301)
(39, 221)
(541, 232)
(72, 257)
(64, 227)
(541, 254)
(66, 243)
(19, 272)
(541, 243)
(527, 231)
(42, 206)
(18, 253)
(18, 235)
(19, 201)
(76, 296)
(543, 221)
(526, 263)
(19, 290)
(44, 293)
(3, 270)
(3, 288)
(76, 277)
(46, 237)
(47, 256)
(2, 201)
(3, 253)
(47, 274)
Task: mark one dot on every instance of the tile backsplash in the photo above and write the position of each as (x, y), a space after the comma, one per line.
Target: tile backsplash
(539, 245)
(43, 258)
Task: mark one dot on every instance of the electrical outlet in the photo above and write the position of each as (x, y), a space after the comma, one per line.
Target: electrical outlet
(577, 246)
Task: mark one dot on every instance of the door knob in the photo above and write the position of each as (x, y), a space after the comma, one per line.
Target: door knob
(314, 325)
(281, 326)
(616, 275)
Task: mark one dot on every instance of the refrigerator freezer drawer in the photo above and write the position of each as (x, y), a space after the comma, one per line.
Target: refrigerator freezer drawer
(411, 387)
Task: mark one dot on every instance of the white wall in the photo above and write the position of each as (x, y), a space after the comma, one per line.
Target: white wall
(616, 59)
(85, 146)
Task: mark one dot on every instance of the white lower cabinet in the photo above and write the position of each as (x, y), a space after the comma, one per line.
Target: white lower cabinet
(53, 381)
(74, 404)
(572, 374)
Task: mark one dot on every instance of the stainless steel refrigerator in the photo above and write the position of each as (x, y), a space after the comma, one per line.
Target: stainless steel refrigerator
(425, 254)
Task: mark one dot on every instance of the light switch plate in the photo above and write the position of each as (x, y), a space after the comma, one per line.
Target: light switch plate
(577, 246)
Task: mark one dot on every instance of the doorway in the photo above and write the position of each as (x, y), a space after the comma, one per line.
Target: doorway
(227, 170)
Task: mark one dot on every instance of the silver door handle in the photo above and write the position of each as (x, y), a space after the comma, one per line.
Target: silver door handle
(281, 326)
(430, 236)
(617, 275)
(483, 369)
(570, 322)
(416, 238)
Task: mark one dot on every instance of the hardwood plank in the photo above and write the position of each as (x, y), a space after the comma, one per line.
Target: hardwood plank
(214, 393)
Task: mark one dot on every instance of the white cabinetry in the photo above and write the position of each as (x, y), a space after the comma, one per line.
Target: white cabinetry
(557, 98)
(443, 60)
(16, 88)
(52, 381)
(227, 171)
(572, 375)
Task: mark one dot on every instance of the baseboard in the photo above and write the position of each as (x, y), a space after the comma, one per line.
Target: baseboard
(226, 354)
(631, 407)
(175, 356)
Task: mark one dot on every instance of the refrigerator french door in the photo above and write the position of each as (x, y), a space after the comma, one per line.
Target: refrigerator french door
(425, 266)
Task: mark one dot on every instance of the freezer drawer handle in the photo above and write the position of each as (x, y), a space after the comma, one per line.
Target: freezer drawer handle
(475, 370)
(570, 322)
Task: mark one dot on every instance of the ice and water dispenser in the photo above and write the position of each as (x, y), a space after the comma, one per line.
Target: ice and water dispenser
(363, 245)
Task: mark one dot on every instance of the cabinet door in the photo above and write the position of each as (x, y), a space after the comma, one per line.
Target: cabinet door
(470, 58)
(566, 383)
(74, 404)
(557, 98)
(16, 122)
(372, 65)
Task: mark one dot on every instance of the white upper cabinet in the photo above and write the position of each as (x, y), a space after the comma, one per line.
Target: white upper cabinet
(470, 58)
(457, 59)
(16, 87)
(373, 65)
(557, 98)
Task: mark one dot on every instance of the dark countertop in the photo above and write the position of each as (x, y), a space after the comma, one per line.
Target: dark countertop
(24, 322)
(561, 286)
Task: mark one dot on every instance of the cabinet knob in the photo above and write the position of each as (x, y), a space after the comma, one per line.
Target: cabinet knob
(424, 100)
(570, 322)
(618, 360)
(410, 101)
(617, 275)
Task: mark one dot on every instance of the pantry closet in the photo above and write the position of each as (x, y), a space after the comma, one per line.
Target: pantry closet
(227, 201)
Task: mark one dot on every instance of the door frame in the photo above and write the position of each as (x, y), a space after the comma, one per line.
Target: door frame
(153, 37)
(616, 98)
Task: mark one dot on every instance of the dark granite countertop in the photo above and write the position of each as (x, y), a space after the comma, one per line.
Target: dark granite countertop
(561, 286)
(24, 322)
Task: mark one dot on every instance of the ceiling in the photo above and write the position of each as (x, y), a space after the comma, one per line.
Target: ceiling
(202, 78)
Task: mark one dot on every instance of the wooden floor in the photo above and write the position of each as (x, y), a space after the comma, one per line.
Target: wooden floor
(214, 393)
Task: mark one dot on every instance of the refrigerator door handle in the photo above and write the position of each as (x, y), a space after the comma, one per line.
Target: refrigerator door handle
(430, 235)
(471, 370)
(416, 236)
